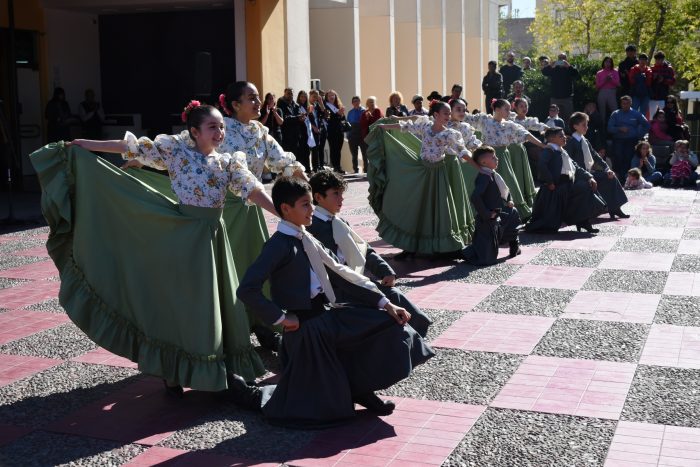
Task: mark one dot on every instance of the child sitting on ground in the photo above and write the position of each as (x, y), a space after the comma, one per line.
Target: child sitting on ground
(327, 188)
(683, 165)
(554, 120)
(497, 220)
(645, 161)
(332, 355)
(635, 181)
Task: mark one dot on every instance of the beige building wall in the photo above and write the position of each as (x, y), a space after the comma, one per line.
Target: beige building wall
(454, 43)
(377, 49)
(407, 34)
(433, 45)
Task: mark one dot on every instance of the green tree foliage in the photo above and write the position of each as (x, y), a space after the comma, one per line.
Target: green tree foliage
(595, 28)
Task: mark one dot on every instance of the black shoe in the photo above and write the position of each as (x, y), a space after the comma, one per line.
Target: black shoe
(374, 404)
(514, 249)
(174, 391)
(269, 339)
(243, 395)
(619, 214)
(404, 255)
(587, 227)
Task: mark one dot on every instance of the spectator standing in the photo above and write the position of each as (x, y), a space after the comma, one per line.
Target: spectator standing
(627, 127)
(371, 115)
(543, 61)
(674, 119)
(641, 77)
(625, 66)
(562, 76)
(91, 116)
(492, 85)
(355, 135)
(336, 123)
(455, 93)
(518, 93)
(596, 128)
(396, 107)
(292, 121)
(306, 134)
(663, 77)
(418, 108)
(271, 117)
(607, 80)
(58, 117)
(527, 64)
(317, 118)
(510, 72)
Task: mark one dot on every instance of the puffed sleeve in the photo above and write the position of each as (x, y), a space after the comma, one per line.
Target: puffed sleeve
(156, 154)
(470, 139)
(516, 133)
(531, 123)
(241, 181)
(456, 144)
(478, 121)
(276, 158)
(417, 127)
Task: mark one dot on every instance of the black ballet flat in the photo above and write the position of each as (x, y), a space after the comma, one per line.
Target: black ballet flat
(514, 249)
(243, 394)
(587, 227)
(374, 404)
(404, 255)
(174, 391)
(619, 214)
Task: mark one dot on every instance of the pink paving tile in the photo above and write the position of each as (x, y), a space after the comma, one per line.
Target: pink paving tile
(592, 243)
(16, 367)
(652, 444)
(140, 413)
(450, 295)
(557, 277)
(101, 356)
(16, 324)
(436, 428)
(28, 293)
(613, 306)
(34, 271)
(36, 251)
(7, 239)
(527, 253)
(637, 261)
(581, 393)
(157, 455)
(689, 247)
(693, 222)
(665, 233)
(491, 332)
(382, 247)
(9, 433)
(683, 283)
(675, 346)
(667, 210)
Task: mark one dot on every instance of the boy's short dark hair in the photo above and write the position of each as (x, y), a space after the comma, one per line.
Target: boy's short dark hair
(660, 55)
(551, 132)
(288, 190)
(325, 180)
(355, 98)
(644, 57)
(554, 107)
(481, 151)
(577, 118)
(631, 48)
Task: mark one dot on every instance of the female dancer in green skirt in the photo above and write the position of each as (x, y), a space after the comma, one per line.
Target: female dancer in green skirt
(497, 131)
(420, 197)
(459, 110)
(145, 277)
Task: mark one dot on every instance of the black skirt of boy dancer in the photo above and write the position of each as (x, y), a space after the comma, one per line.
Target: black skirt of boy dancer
(333, 355)
(335, 233)
(497, 219)
(567, 192)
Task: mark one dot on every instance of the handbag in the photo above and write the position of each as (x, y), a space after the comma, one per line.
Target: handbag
(346, 126)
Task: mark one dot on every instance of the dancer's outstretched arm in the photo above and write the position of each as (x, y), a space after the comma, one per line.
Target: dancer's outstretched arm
(117, 146)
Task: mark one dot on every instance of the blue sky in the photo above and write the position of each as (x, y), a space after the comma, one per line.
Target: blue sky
(526, 7)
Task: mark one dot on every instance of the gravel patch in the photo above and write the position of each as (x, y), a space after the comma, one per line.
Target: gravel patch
(11, 261)
(593, 340)
(691, 234)
(442, 319)
(6, 283)
(49, 306)
(459, 376)
(239, 433)
(563, 257)
(646, 245)
(610, 230)
(496, 274)
(503, 437)
(363, 211)
(660, 221)
(537, 240)
(29, 232)
(52, 394)
(664, 395)
(62, 342)
(526, 301)
(370, 223)
(678, 310)
(686, 263)
(613, 280)
(21, 244)
(41, 448)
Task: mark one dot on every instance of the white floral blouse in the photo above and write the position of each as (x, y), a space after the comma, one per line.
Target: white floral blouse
(197, 180)
(496, 133)
(435, 144)
(529, 123)
(467, 132)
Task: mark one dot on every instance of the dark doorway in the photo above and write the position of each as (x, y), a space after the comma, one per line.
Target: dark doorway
(149, 62)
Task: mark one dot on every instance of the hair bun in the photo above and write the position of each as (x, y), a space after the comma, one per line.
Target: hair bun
(188, 108)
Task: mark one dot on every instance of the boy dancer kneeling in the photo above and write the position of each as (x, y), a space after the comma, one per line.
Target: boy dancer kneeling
(334, 233)
(497, 221)
(332, 355)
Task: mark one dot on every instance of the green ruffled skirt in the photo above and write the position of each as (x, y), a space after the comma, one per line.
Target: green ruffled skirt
(505, 169)
(142, 276)
(422, 207)
(521, 167)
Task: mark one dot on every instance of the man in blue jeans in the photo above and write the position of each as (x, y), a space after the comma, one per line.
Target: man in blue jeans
(627, 127)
